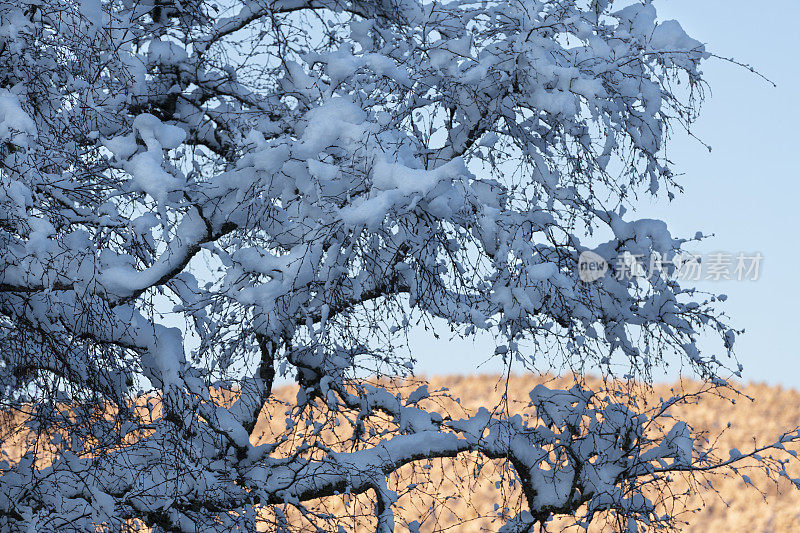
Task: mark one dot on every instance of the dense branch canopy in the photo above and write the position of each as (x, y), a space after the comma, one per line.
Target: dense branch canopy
(199, 198)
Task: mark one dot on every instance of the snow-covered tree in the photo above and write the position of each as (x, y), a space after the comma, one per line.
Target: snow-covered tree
(198, 197)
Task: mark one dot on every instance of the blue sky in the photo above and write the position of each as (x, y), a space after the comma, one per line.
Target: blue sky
(746, 191)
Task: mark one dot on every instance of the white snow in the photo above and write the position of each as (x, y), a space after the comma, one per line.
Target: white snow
(16, 126)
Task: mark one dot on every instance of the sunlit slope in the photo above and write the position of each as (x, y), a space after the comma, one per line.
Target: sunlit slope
(736, 507)
(465, 502)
